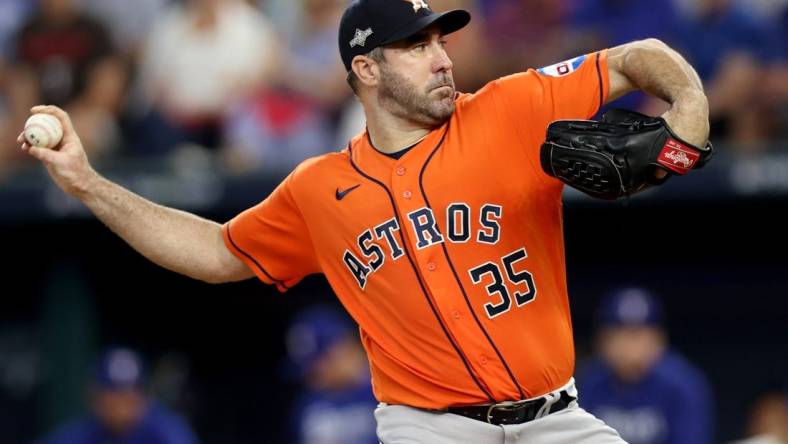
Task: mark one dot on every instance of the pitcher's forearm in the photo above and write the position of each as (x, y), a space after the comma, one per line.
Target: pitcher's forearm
(173, 239)
(657, 69)
(652, 66)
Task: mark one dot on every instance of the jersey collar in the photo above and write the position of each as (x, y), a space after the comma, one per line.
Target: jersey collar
(380, 166)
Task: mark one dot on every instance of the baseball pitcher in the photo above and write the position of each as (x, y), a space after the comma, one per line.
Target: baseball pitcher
(440, 226)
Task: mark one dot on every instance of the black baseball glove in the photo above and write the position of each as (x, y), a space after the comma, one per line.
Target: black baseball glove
(619, 155)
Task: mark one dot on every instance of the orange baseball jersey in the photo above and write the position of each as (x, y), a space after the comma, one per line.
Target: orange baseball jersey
(450, 258)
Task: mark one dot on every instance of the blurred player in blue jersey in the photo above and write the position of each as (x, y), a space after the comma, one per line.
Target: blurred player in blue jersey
(121, 413)
(336, 405)
(637, 385)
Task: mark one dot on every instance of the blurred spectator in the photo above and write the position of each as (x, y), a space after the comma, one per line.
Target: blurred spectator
(284, 14)
(765, 8)
(637, 385)
(60, 44)
(60, 56)
(607, 23)
(523, 34)
(15, 12)
(129, 26)
(294, 117)
(19, 91)
(97, 111)
(311, 67)
(730, 46)
(352, 122)
(121, 413)
(768, 422)
(201, 57)
(775, 86)
(336, 404)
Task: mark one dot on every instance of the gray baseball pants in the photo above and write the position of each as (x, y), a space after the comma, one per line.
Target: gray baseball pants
(398, 424)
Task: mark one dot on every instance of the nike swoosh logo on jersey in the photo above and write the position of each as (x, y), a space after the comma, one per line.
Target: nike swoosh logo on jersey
(341, 194)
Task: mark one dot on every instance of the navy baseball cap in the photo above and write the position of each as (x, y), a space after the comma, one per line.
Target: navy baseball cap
(630, 306)
(367, 24)
(119, 369)
(312, 332)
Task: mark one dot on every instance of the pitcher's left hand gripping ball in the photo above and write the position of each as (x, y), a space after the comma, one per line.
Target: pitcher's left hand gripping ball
(619, 155)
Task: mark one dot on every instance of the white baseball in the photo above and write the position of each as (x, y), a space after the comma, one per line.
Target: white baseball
(43, 130)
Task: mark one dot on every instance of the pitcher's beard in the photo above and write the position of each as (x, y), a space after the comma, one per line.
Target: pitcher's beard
(431, 107)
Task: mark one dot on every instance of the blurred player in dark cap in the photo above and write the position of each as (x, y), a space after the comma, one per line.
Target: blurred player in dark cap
(336, 404)
(637, 385)
(121, 412)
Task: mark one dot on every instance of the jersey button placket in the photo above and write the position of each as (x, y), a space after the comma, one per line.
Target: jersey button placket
(406, 187)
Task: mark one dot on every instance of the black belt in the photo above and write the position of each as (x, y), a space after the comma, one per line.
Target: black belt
(514, 412)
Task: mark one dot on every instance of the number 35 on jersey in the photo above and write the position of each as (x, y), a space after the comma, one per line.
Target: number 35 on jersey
(497, 277)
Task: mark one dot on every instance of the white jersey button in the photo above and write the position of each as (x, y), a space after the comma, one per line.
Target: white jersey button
(400, 171)
(407, 194)
(432, 266)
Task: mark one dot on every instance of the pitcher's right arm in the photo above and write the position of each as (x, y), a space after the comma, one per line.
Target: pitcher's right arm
(174, 239)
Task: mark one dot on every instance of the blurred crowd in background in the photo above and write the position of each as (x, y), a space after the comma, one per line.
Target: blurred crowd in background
(259, 84)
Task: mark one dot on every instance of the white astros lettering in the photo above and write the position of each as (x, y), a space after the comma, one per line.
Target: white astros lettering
(426, 233)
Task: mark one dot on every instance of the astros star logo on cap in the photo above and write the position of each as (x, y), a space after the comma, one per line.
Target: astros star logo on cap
(418, 4)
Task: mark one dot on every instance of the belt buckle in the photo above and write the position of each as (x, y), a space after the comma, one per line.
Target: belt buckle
(544, 410)
(502, 405)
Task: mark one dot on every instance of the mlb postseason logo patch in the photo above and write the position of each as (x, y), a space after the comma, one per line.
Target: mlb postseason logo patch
(563, 68)
(677, 157)
(360, 37)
